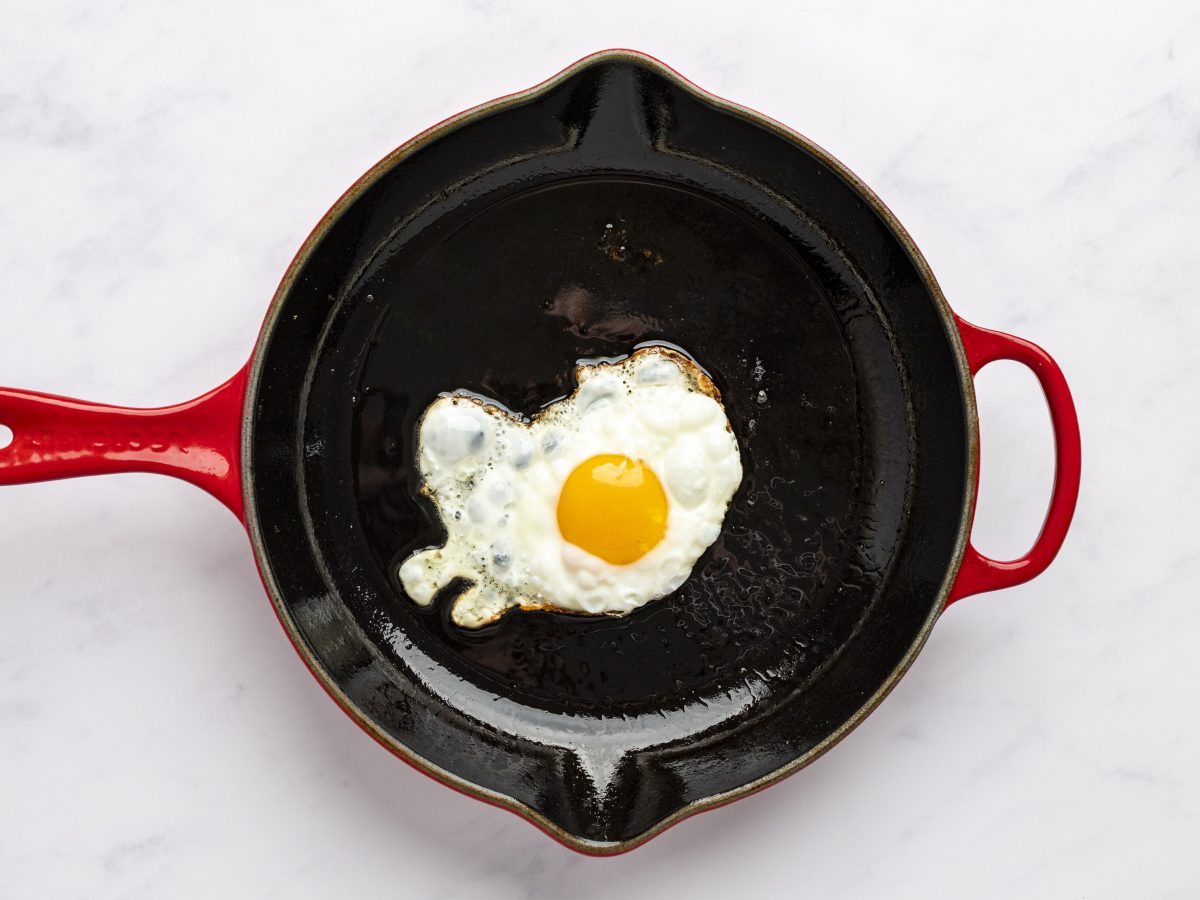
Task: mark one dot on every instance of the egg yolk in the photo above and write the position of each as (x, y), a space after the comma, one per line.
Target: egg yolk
(613, 507)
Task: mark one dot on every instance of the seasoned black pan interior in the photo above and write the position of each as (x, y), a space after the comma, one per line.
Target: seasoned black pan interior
(615, 209)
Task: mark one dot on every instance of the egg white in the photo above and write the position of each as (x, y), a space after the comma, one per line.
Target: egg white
(495, 480)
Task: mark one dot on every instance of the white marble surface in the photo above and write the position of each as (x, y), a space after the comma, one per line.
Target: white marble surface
(159, 165)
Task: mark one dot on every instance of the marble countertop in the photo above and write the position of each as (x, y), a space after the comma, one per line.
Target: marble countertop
(160, 164)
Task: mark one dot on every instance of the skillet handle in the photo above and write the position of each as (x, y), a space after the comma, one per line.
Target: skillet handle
(56, 437)
(978, 572)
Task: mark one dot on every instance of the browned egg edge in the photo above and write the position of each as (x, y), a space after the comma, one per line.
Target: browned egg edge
(697, 380)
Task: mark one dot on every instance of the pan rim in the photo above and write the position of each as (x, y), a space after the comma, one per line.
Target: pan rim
(253, 526)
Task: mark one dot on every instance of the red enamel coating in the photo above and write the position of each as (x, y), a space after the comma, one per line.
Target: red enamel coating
(56, 437)
(979, 573)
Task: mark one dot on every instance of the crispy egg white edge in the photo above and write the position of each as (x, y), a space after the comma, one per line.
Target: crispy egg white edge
(427, 571)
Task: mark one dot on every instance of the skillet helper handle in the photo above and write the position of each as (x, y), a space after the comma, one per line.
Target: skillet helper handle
(979, 573)
(56, 437)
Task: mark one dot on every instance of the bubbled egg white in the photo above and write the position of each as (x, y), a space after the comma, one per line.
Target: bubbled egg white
(496, 480)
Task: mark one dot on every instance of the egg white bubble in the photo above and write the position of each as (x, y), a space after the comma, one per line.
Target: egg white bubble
(495, 481)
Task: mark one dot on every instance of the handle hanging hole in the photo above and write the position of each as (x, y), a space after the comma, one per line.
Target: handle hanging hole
(6, 435)
(1016, 450)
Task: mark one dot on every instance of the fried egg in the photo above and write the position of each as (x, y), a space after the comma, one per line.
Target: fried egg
(597, 505)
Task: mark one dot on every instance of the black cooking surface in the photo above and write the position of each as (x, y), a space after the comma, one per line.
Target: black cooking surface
(617, 210)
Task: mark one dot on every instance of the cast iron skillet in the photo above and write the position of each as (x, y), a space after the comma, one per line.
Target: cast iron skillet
(615, 205)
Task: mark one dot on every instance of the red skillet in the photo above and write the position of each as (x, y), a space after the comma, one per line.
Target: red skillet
(612, 205)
